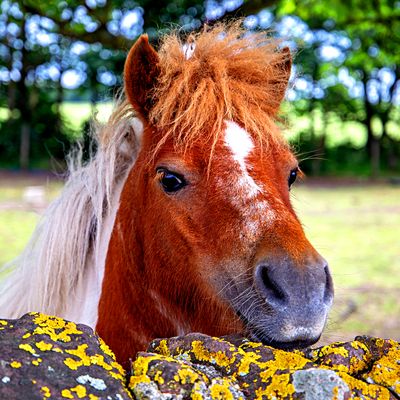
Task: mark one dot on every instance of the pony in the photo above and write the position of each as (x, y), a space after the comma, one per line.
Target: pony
(182, 220)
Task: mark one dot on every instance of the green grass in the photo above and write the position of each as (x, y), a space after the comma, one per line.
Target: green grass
(356, 230)
(17, 221)
(15, 229)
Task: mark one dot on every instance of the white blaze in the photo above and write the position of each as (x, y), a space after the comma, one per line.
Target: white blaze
(241, 145)
(239, 141)
(246, 194)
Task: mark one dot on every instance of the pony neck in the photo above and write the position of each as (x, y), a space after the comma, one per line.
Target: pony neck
(127, 319)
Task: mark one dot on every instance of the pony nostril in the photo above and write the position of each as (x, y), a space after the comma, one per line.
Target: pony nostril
(328, 294)
(270, 289)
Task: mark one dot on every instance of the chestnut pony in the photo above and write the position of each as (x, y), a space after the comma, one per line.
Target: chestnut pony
(182, 219)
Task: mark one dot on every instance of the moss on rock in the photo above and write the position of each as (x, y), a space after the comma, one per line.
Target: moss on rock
(366, 368)
(45, 357)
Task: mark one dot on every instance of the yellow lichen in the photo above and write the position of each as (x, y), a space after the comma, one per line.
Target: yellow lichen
(158, 378)
(15, 364)
(117, 376)
(220, 391)
(141, 364)
(37, 361)
(27, 347)
(140, 368)
(134, 380)
(72, 364)
(387, 370)
(43, 346)
(327, 350)
(199, 351)
(79, 352)
(118, 367)
(186, 375)
(80, 390)
(162, 348)
(98, 359)
(196, 396)
(56, 328)
(219, 358)
(45, 391)
(367, 389)
(356, 365)
(284, 360)
(2, 322)
(279, 387)
(248, 359)
(105, 349)
(253, 345)
(26, 335)
(67, 394)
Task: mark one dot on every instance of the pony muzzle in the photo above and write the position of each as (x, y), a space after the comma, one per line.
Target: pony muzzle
(297, 299)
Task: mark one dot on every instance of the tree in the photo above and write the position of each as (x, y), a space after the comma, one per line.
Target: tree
(374, 31)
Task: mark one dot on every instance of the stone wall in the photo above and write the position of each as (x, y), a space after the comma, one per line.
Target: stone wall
(47, 357)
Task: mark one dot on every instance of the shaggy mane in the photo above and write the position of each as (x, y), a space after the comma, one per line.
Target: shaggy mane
(54, 264)
(231, 75)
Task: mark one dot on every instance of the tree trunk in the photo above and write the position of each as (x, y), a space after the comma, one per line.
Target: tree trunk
(373, 143)
(25, 145)
(22, 103)
(320, 150)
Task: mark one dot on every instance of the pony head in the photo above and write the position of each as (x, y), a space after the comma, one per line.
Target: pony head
(205, 238)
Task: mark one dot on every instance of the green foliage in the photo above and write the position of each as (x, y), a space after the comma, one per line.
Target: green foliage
(346, 57)
(49, 136)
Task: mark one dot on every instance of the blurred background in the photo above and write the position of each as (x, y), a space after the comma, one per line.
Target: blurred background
(61, 64)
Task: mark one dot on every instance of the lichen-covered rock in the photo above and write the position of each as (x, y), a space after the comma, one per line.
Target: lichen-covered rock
(47, 357)
(200, 367)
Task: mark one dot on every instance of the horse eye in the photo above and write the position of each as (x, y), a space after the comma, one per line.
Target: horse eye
(170, 181)
(292, 176)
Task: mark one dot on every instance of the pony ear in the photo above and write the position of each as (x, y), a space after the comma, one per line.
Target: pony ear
(140, 74)
(283, 69)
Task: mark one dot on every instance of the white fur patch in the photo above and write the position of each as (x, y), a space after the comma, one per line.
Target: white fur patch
(188, 50)
(239, 141)
(245, 194)
(241, 145)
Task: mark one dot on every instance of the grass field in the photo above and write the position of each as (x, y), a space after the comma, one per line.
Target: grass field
(356, 228)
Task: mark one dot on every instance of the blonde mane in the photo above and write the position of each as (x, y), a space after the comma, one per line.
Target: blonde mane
(54, 264)
(229, 74)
